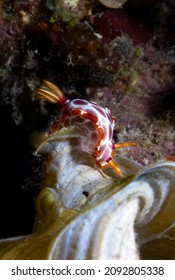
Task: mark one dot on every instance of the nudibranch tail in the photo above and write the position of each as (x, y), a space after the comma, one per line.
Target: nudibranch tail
(50, 92)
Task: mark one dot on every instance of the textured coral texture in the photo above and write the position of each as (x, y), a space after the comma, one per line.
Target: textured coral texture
(119, 54)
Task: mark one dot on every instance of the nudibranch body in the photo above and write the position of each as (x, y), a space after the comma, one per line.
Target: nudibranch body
(94, 123)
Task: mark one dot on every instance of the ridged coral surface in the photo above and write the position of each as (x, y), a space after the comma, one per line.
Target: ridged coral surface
(80, 211)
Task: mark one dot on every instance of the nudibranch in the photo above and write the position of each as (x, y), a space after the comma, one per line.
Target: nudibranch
(93, 122)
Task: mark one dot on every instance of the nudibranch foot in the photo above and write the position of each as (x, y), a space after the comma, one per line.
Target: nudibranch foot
(60, 135)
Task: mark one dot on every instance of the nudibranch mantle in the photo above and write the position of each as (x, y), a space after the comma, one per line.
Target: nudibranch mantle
(94, 123)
